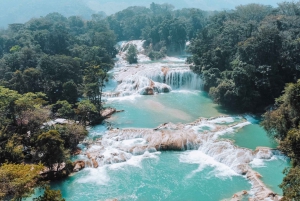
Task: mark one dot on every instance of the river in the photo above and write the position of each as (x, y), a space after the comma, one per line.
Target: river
(207, 169)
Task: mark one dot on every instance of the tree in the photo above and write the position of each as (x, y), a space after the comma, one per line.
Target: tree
(291, 184)
(30, 112)
(64, 109)
(72, 134)
(19, 180)
(286, 113)
(50, 195)
(50, 149)
(290, 146)
(93, 83)
(13, 151)
(131, 55)
(70, 92)
(7, 106)
(283, 122)
(85, 109)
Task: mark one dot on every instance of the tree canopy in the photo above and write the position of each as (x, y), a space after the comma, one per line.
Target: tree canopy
(247, 55)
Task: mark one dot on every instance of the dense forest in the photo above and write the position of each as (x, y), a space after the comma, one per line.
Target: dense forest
(246, 56)
(54, 66)
(50, 67)
(164, 29)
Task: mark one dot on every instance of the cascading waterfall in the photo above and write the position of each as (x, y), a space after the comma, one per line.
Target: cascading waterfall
(117, 157)
(148, 78)
(183, 79)
(177, 78)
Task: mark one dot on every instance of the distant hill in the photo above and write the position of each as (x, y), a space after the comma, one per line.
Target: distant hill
(20, 11)
(112, 6)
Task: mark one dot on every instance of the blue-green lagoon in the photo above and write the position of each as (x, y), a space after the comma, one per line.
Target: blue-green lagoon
(212, 169)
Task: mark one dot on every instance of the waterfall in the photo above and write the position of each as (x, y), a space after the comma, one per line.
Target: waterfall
(177, 78)
(183, 79)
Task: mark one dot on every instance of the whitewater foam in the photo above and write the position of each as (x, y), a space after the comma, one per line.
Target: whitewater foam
(198, 157)
(95, 175)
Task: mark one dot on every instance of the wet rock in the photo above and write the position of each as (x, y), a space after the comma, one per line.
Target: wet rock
(107, 112)
(95, 163)
(147, 91)
(78, 165)
(77, 151)
(263, 152)
(242, 169)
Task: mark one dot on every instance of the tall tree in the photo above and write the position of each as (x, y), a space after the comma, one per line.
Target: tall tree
(18, 180)
(93, 84)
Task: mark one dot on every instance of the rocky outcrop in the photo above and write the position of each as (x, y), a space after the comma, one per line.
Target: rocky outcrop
(165, 70)
(107, 112)
(95, 163)
(120, 145)
(263, 152)
(166, 137)
(261, 192)
(147, 91)
(78, 165)
(77, 151)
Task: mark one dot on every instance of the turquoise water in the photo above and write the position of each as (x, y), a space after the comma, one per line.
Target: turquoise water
(252, 136)
(157, 178)
(164, 176)
(271, 170)
(171, 176)
(151, 111)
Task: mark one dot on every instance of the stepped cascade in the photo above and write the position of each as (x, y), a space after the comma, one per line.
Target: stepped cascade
(171, 142)
(147, 78)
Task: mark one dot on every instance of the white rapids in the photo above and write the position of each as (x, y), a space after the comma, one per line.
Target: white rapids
(147, 78)
(198, 140)
(130, 146)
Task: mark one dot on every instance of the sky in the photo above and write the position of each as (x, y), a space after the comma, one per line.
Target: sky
(20, 11)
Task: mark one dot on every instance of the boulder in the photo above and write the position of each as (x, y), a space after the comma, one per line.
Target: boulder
(263, 153)
(242, 169)
(95, 163)
(78, 165)
(147, 91)
(107, 112)
(166, 89)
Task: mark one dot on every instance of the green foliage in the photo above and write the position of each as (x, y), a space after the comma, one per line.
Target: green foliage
(72, 134)
(43, 54)
(15, 48)
(18, 180)
(93, 83)
(254, 49)
(291, 184)
(286, 115)
(14, 149)
(7, 106)
(64, 109)
(291, 145)
(131, 55)
(51, 60)
(50, 195)
(85, 110)
(283, 123)
(70, 91)
(50, 148)
(161, 26)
